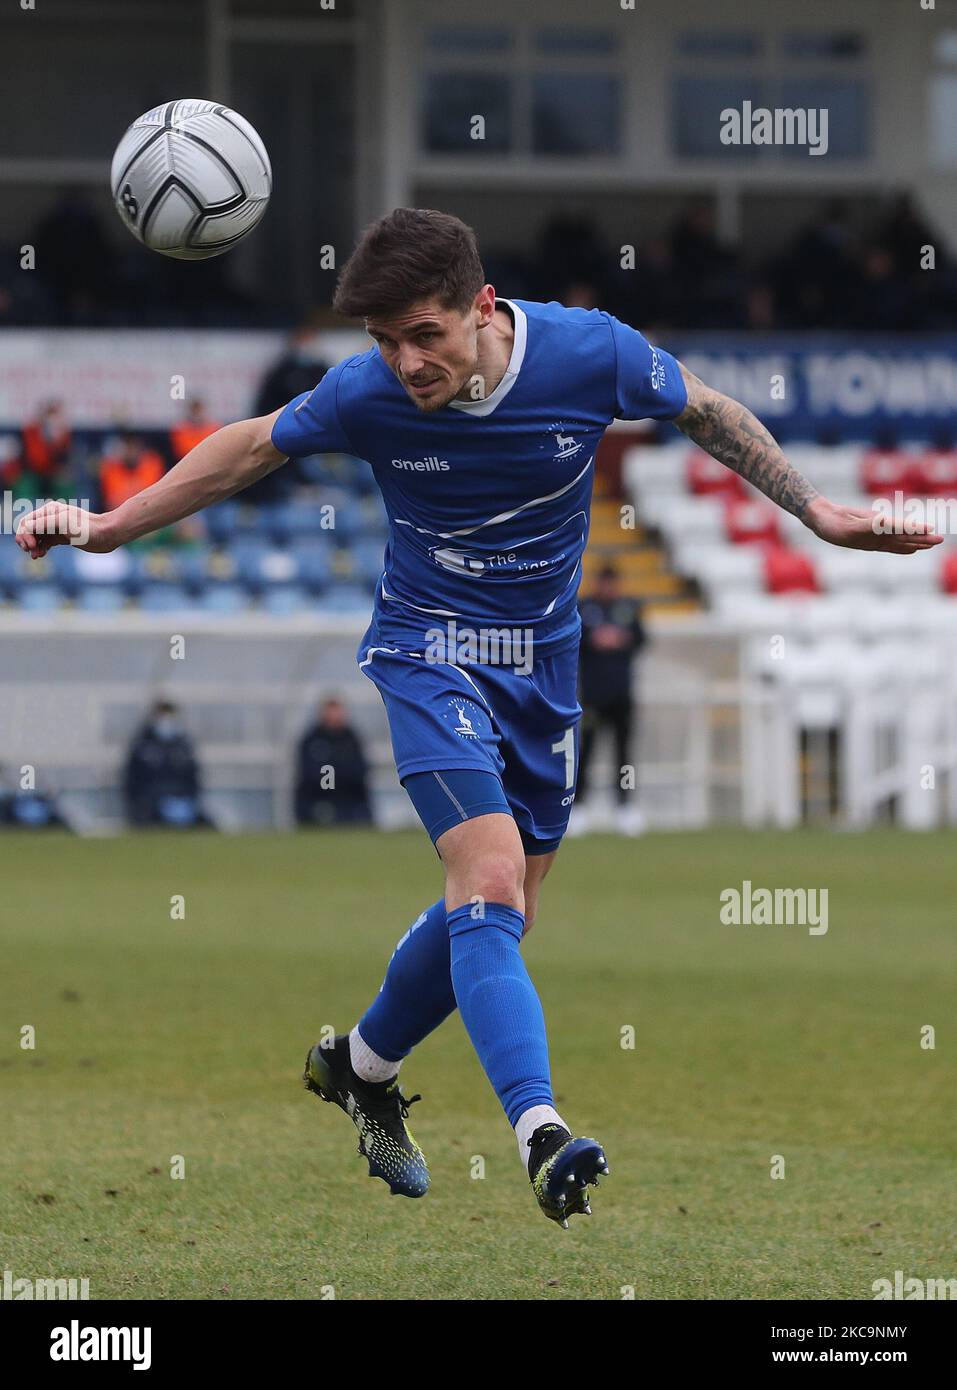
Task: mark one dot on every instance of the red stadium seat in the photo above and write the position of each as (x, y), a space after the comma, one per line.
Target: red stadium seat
(789, 571)
(706, 477)
(883, 471)
(948, 572)
(747, 522)
(935, 474)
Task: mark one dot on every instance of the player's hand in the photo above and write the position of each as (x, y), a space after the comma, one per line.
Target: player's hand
(59, 523)
(858, 529)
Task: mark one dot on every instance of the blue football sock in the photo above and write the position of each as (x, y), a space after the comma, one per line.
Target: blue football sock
(416, 994)
(499, 1006)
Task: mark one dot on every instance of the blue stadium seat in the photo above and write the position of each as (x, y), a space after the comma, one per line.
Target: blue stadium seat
(348, 515)
(192, 568)
(40, 598)
(101, 598)
(165, 598)
(313, 564)
(12, 565)
(222, 521)
(346, 598)
(369, 559)
(249, 553)
(223, 598)
(62, 563)
(286, 598)
(294, 520)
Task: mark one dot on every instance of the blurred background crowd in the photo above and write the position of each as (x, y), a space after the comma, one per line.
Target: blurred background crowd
(840, 269)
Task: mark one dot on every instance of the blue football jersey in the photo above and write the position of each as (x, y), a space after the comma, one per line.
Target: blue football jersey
(488, 501)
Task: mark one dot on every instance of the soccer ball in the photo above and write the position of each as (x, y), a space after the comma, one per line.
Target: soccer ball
(191, 178)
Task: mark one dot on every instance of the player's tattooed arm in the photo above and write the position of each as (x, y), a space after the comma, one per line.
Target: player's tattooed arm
(730, 432)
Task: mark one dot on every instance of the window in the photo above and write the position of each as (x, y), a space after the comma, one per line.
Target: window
(466, 39)
(942, 102)
(454, 99)
(541, 90)
(812, 70)
(574, 114)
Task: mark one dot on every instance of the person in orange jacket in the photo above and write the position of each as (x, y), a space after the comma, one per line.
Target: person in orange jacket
(192, 430)
(128, 471)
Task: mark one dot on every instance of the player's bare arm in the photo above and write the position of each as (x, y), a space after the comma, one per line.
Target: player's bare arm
(225, 463)
(731, 433)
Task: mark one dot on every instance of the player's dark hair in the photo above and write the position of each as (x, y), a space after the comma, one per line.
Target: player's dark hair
(409, 255)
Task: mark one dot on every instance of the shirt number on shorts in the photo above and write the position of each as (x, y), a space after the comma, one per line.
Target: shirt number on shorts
(566, 745)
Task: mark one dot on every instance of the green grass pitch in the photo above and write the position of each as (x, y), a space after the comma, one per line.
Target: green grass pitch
(159, 1036)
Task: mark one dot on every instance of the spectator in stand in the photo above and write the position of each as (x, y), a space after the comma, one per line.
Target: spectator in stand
(28, 810)
(192, 430)
(612, 635)
(45, 458)
(75, 258)
(332, 772)
(300, 368)
(128, 471)
(905, 234)
(884, 301)
(570, 255)
(709, 287)
(162, 779)
(817, 279)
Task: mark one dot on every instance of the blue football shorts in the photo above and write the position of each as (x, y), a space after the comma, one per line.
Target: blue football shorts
(472, 738)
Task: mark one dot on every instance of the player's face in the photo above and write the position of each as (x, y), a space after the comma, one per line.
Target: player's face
(433, 351)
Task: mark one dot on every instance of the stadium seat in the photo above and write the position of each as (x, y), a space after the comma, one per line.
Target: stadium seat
(707, 477)
(719, 566)
(367, 556)
(285, 522)
(884, 471)
(62, 564)
(40, 597)
(222, 521)
(655, 470)
(12, 568)
(679, 517)
(258, 563)
(840, 569)
(346, 598)
(749, 521)
(832, 469)
(789, 571)
(223, 598)
(948, 572)
(911, 574)
(313, 564)
(101, 598)
(282, 599)
(157, 597)
(935, 474)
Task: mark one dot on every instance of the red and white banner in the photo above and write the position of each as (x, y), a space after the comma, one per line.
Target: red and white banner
(142, 377)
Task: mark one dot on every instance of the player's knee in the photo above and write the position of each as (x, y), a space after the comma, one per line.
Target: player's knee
(496, 878)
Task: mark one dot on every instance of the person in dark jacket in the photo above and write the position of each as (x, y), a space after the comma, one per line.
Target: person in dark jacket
(162, 780)
(612, 635)
(332, 772)
(298, 369)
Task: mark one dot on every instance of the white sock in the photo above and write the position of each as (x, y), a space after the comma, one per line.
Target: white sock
(528, 1122)
(368, 1064)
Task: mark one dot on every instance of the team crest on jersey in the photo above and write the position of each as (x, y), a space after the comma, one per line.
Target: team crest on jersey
(564, 445)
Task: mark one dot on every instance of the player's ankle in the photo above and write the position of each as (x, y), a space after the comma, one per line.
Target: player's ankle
(366, 1063)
